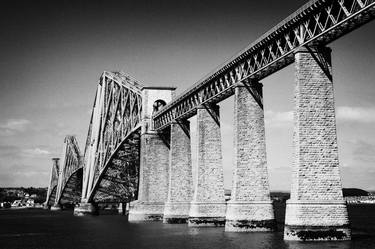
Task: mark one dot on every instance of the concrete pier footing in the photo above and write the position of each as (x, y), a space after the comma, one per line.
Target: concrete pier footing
(83, 209)
(56, 207)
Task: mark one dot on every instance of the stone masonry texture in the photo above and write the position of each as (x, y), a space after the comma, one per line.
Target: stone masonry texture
(153, 184)
(180, 192)
(250, 207)
(154, 162)
(316, 209)
(208, 206)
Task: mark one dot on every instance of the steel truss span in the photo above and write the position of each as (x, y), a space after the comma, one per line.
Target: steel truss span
(70, 179)
(54, 179)
(119, 179)
(317, 23)
(111, 152)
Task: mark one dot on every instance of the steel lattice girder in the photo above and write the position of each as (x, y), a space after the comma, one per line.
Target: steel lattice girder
(317, 23)
(72, 162)
(116, 114)
(118, 181)
(54, 179)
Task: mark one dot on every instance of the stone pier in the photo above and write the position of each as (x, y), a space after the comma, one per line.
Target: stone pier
(154, 160)
(316, 209)
(208, 206)
(250, 208)
(180, 192)
(153, 182)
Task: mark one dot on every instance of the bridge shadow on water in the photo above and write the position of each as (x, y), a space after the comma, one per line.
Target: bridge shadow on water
(46, 229)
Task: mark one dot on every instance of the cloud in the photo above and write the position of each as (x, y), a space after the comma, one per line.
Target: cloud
(13, 126)
(22, 174)
(343, 113)
(36, 152)
(15, 152)
(278, 118)
(356, 114)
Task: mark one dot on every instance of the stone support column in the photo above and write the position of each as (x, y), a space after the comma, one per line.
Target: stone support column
(208, 206)
(154, 159)
(250, 208)
(180, 192)
(153, 182)
(316, 209)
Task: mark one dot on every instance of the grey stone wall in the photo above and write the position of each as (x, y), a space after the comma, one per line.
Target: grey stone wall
(250, 178)
(154, 172)
(208, 205)
(316, 194)
(180, 192)
(250, 207)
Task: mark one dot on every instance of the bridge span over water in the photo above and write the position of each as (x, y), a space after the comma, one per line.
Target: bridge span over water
(138, 147)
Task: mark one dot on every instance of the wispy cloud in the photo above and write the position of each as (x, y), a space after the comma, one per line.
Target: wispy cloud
(36, 152)
(14, 152)
(13, 126)
(343, 114)
(356, 114)
(278, 118)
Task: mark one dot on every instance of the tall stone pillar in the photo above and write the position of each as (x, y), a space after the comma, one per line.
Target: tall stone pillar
(250, 208)
(208, 206)
(153, 182)
(154, 160)
(316, 209)
(180, 192)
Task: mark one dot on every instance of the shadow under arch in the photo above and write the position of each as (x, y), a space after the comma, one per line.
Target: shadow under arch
(52, 197)
(119, 179)
(72, 190)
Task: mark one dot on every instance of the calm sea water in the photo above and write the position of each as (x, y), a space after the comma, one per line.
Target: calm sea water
(46, 229)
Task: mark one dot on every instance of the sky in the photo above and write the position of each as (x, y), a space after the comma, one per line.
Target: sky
(52, 54)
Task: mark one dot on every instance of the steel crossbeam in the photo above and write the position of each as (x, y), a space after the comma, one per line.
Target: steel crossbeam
(317, 23)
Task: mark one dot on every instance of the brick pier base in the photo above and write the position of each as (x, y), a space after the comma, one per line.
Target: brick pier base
(250, 208)
(316, 209)
(153, 182)
(180, 175)
(208, 206)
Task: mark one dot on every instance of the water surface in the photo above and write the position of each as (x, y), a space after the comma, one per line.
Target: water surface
(49, 230)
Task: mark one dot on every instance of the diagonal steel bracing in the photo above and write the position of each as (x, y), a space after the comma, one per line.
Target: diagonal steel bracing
(70, 177)
(114, 128)
(54, 179)
(317, 23)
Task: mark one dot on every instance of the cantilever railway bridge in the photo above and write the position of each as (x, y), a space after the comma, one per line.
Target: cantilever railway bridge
(138, 143)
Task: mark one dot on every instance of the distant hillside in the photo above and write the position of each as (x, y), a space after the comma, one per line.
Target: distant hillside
(354, 192)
